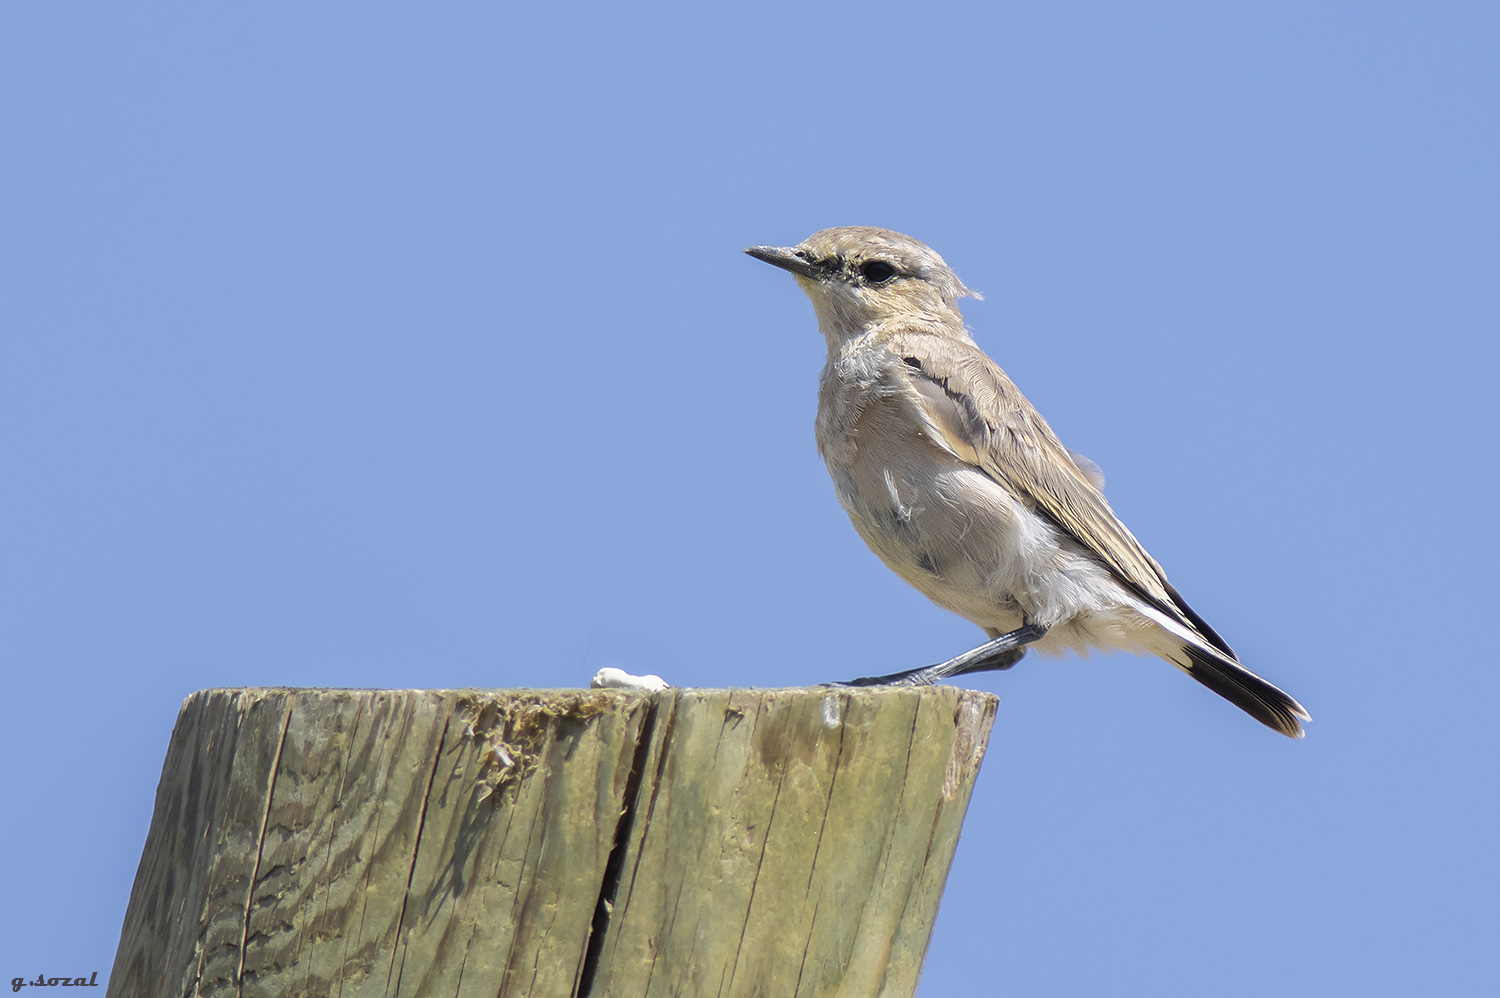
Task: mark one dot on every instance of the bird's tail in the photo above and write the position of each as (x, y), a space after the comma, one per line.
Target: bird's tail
(1244, 689)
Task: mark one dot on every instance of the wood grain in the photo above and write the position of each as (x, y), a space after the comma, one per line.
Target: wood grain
(550, 843)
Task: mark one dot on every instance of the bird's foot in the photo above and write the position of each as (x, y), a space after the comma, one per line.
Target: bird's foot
(996, 654)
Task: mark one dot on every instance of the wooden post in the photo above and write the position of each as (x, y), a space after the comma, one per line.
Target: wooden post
(551, 842)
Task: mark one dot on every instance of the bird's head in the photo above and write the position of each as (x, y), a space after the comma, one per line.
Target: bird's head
(860, 277)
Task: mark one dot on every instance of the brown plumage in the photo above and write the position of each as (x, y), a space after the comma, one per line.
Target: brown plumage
(961, 487)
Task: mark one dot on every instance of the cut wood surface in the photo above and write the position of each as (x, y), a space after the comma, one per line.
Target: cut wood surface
(551, 842)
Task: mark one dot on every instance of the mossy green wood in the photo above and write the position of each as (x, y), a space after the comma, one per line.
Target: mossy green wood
(793, 842)
(542, 843)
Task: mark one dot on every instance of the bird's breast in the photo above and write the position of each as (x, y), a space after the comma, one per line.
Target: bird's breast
(942, 524)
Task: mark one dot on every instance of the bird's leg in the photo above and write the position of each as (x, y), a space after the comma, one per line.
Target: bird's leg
(997, 653)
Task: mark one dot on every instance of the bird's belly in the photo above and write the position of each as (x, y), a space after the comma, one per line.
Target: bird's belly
(970, 546)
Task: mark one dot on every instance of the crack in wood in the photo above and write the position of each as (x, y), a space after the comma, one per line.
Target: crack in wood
(656, 783)
(260, 845)
(833, 779)
(299, 846)
(416, 850)
(806, 949)
(760, 862)
(614, 866)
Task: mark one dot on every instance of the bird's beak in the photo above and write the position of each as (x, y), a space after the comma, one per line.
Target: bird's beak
(787, 258)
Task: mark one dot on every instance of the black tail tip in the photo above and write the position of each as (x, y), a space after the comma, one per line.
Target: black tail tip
(1247, 691)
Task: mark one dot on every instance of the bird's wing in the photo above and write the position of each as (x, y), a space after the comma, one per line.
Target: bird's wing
(985, 420)
(1091, 471)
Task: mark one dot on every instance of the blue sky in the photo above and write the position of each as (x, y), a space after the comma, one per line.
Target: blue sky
(364, 345)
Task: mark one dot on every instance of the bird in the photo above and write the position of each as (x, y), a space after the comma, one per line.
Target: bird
(960, 487)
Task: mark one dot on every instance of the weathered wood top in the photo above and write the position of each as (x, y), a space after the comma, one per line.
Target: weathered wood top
(551, 842)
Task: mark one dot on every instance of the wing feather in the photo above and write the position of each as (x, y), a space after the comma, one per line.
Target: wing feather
(986, 421)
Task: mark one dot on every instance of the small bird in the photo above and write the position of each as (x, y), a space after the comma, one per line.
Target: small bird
(963, 490)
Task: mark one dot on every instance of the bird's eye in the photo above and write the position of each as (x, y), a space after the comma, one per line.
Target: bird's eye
(877, 271)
